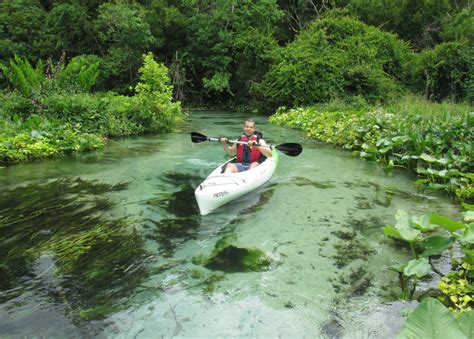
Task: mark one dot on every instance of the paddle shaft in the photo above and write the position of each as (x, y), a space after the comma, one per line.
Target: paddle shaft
(239, 142)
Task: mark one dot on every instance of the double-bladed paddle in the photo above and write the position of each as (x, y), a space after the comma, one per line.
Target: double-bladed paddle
(291, 149)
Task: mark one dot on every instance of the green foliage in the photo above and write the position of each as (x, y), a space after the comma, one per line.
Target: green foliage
(154, 80)
(446, 72)
(231, 38)
(80, 74)
(154, 92)
(62, 118)
(433, 140)
(225, 48)
(417, 21)
(431, 319)
(21, 23)
(220, 82)
(67, 30)
(336, 57)
(458, 287)
(123, 35)
(16, 104)
(38, 137)
(459, 27)
(23, 76)
(418, 232)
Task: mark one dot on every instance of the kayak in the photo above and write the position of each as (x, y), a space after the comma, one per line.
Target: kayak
(220, 188)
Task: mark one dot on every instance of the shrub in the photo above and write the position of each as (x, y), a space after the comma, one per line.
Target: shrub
(447, 72)
(336, 57)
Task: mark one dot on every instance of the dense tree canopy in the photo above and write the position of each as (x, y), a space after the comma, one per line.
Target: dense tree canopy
(231, 52)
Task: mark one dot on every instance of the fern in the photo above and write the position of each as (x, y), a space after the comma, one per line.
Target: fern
(22, 76)
(80, 74)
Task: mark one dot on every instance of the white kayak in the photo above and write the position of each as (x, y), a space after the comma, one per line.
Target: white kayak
(220, 188)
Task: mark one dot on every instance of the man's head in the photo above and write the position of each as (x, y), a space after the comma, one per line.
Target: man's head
(249, 127)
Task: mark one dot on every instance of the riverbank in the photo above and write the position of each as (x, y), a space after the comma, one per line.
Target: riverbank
(432, 140)
(48, 116)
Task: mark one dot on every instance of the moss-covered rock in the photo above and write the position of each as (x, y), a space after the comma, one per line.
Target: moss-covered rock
(230, 258)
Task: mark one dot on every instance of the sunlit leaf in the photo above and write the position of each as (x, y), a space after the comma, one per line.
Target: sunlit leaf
(398, 268)
(404, 226)
(422, 181)
(438, 186)
(431, 319)
(443, 173)
(391, 231)
(421, 170)
(427, 157)
(36, 134)
(468, 216)
(419, 267)
(466, 323)
(469, 254)
(423, 223)
(435, 245)
(447, 223)
(443, 161)
(468, 235)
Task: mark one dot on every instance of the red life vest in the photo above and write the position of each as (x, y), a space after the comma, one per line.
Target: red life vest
(244, 150)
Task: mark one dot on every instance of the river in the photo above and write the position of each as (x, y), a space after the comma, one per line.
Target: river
(106, 243)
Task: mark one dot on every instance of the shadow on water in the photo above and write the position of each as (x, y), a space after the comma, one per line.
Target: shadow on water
(183, 221)
(56, 240)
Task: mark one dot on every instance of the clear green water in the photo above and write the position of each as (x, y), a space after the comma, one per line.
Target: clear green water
(319, 220)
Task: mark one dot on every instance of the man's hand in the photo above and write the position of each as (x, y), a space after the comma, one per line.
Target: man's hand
(223, 140)
(253, 143)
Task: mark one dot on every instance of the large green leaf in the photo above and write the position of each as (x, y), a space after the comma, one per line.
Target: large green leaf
(427, 157)
(468, 216)
(447, 223)
(419, 267)
(405, 227)
(469, 255)
(468, 235)
(435, 245)
(391, 231)
(431, 319)
(423, 223)
(466, 323)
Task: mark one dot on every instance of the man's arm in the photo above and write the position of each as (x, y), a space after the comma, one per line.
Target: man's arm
(230, 150)
(264, 149)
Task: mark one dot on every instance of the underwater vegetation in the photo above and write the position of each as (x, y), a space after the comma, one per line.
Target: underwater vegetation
(184, 221)
(94, 261)
(229, 258)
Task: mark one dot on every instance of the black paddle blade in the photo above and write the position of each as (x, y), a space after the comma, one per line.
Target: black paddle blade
(291, 149)
(198, 137)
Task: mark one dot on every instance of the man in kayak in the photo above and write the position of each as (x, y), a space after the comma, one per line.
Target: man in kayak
(248, 156)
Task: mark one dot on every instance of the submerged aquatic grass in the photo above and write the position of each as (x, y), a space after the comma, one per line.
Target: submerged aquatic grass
(95, 260)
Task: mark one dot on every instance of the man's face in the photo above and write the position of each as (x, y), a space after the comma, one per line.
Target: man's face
(249, 128)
